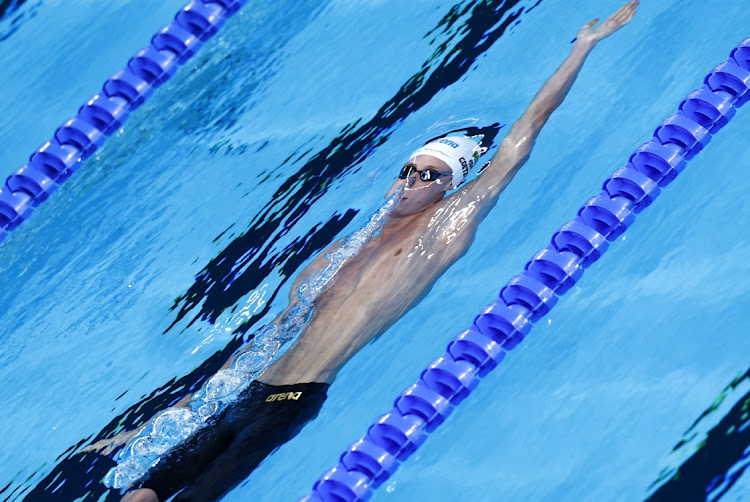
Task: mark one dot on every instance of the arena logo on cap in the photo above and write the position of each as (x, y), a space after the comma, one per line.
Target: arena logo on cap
(448, 142)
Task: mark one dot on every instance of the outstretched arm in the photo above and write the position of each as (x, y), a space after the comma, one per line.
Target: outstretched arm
(517, 145)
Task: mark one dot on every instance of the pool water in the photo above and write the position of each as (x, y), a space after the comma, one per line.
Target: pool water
(143, 272)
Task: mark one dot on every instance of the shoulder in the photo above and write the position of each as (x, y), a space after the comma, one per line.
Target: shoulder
(321, 259)
(449, 227)
(319, 262)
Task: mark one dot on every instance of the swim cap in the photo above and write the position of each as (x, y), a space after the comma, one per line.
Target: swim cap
(459, 152)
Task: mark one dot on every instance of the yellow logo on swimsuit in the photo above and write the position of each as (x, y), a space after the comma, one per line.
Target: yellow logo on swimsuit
(284, 396)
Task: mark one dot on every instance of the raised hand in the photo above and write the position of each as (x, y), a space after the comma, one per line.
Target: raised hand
(591, 35)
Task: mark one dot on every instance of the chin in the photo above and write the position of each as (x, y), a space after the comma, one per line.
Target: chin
(401, 211)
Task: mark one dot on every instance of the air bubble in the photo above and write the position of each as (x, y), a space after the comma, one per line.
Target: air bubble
(222, 384)
(252, 361)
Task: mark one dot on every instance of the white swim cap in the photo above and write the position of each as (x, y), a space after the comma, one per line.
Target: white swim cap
(459, 152)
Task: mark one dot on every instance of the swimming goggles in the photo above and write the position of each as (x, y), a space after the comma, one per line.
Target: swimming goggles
(427, 175)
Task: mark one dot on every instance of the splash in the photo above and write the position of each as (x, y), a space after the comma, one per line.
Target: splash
(168, 428)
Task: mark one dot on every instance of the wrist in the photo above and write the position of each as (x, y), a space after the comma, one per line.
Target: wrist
(584, 45)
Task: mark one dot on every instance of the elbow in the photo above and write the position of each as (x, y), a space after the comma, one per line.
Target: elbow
(540, 118)
(519, 146)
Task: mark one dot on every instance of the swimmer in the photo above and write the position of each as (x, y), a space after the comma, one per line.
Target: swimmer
(423, 235)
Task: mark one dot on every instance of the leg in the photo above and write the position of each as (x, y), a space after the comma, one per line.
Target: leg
(270, 425)
(189, 459)
(222, 454)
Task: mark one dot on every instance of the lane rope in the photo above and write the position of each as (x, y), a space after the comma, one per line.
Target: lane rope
(77, 138)
(527, 297)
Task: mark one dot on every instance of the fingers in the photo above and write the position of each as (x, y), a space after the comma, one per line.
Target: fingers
(635, 4)
(619, 19)
(628, 9)
(622, 16)
(629, 6)
(624, 13)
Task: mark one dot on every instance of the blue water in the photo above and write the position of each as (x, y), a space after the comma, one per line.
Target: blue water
(588, 407)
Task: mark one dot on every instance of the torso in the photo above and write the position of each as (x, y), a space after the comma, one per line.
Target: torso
(372, 290)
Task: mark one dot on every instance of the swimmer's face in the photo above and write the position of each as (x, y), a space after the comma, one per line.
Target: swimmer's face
(419, 194)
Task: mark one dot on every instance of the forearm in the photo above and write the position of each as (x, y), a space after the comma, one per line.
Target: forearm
(554, 90)
(515, 149)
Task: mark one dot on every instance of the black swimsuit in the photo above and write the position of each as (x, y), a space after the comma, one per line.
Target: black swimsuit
(224, 452)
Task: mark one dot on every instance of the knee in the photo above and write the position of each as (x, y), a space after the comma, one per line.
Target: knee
(142, 495)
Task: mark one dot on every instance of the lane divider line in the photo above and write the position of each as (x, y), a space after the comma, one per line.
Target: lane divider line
(79, 137)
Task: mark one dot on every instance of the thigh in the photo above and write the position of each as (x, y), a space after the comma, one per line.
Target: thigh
(270, 426)
(189, 459)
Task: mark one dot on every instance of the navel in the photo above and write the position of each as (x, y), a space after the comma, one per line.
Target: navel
(398, 252)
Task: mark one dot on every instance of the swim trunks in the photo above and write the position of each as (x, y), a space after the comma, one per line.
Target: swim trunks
(224, 452)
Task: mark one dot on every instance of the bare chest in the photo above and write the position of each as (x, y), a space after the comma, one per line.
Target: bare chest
(376, 287)
(370, 291)
(377, 274)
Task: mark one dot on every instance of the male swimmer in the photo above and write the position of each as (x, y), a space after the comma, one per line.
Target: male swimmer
(423, 235)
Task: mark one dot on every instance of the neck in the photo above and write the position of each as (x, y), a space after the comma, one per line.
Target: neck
(398, 224)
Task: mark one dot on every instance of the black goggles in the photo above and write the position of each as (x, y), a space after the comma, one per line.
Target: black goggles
(427, 175)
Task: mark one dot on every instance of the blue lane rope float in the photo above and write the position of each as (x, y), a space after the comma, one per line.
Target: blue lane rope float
(75, 140)
(527, 297)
